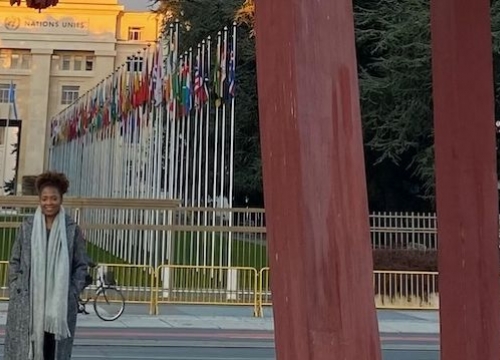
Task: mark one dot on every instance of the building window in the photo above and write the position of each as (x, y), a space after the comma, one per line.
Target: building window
(68, 61)
(134, 64)
(89, 63)
(5, 97)
(4, 60)
(15, 59)
(25, 61)
(78, 63)
(135, 33)
(70, 93)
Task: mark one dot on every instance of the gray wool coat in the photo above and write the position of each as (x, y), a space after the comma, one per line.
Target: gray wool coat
(18, 316)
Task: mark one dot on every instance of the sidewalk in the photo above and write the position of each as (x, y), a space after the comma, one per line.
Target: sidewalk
(238, 318)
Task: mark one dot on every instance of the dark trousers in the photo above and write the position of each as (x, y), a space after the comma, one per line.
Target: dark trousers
(49, 347)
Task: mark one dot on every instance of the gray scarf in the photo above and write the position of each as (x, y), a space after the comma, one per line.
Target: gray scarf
(49, 282)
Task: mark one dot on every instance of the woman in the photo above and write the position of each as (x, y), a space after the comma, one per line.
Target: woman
(47, 272)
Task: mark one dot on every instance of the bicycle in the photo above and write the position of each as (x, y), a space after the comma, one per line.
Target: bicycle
(106, 293)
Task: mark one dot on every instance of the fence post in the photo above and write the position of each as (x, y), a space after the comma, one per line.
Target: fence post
(232, 283)
(153, 309)
(257, 311)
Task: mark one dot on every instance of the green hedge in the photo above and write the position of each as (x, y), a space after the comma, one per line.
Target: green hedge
(405, 260)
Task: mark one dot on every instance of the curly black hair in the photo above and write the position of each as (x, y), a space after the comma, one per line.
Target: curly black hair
(54, 179)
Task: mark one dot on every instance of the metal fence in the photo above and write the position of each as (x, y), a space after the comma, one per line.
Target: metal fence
(403, 230)
(157, 232)
(163, 253)
(153, 232)
(404, 290)
(4, 280)
(136, 282)
(240, 286)
(206, 285)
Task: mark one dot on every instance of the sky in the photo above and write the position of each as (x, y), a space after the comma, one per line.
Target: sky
(135, 4)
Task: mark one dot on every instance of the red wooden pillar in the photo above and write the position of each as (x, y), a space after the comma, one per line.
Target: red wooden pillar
(467, 204)
(314, 181)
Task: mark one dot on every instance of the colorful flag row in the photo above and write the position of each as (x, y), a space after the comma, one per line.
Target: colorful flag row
(158, 78)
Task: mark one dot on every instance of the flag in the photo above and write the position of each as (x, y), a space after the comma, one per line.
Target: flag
(12, 99)
(156, 84)
(232, 74)
(186, 89)
(217, 75)
(108, 103)
(177, 78)
(197, 82)
(123, 96)
(223, 69)
(81, 115)
(85, 113)
(114, 98)
(200, 88)
(169, 71)
(136, 86)
(144, 93)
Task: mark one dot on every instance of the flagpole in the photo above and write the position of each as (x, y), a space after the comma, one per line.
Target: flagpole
(172, 189)
(156, 94)
(174, 134)
(201, 58)
(223, 141)
(179, 148)
(148, 150)
(163, 158)
(207, 137)
(167, 66)
(139, 247)
(146, 122)
(137, 133)
(6, 135)
(166, 133)
(187, 137)
(196, 149)
(181, 142)
(216, 146)
(231, 159)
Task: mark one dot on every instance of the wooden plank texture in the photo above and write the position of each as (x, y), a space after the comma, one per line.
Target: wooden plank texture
(314, 181)
(466, 174)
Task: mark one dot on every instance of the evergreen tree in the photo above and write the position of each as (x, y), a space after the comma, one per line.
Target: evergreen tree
(394, 61)
(199, 19)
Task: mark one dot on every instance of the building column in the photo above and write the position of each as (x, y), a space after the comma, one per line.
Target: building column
(34, 130)
(314, 181)
(466, 179)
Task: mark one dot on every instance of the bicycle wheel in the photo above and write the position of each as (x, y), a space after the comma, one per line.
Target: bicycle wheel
(109, 303)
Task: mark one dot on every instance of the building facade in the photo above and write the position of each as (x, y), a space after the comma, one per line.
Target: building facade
(49, 59)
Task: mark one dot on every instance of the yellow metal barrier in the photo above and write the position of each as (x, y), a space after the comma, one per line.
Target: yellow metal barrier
(393, 290)
(406, 290)
(178, 284)
(264, 291)
(4, 280)
(136, 282)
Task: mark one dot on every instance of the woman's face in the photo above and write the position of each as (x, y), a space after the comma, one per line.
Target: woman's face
(50, 201)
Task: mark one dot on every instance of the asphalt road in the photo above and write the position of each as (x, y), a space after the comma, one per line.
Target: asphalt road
(176, 344)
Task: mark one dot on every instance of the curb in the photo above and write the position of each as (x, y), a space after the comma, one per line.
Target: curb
(250, 344)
